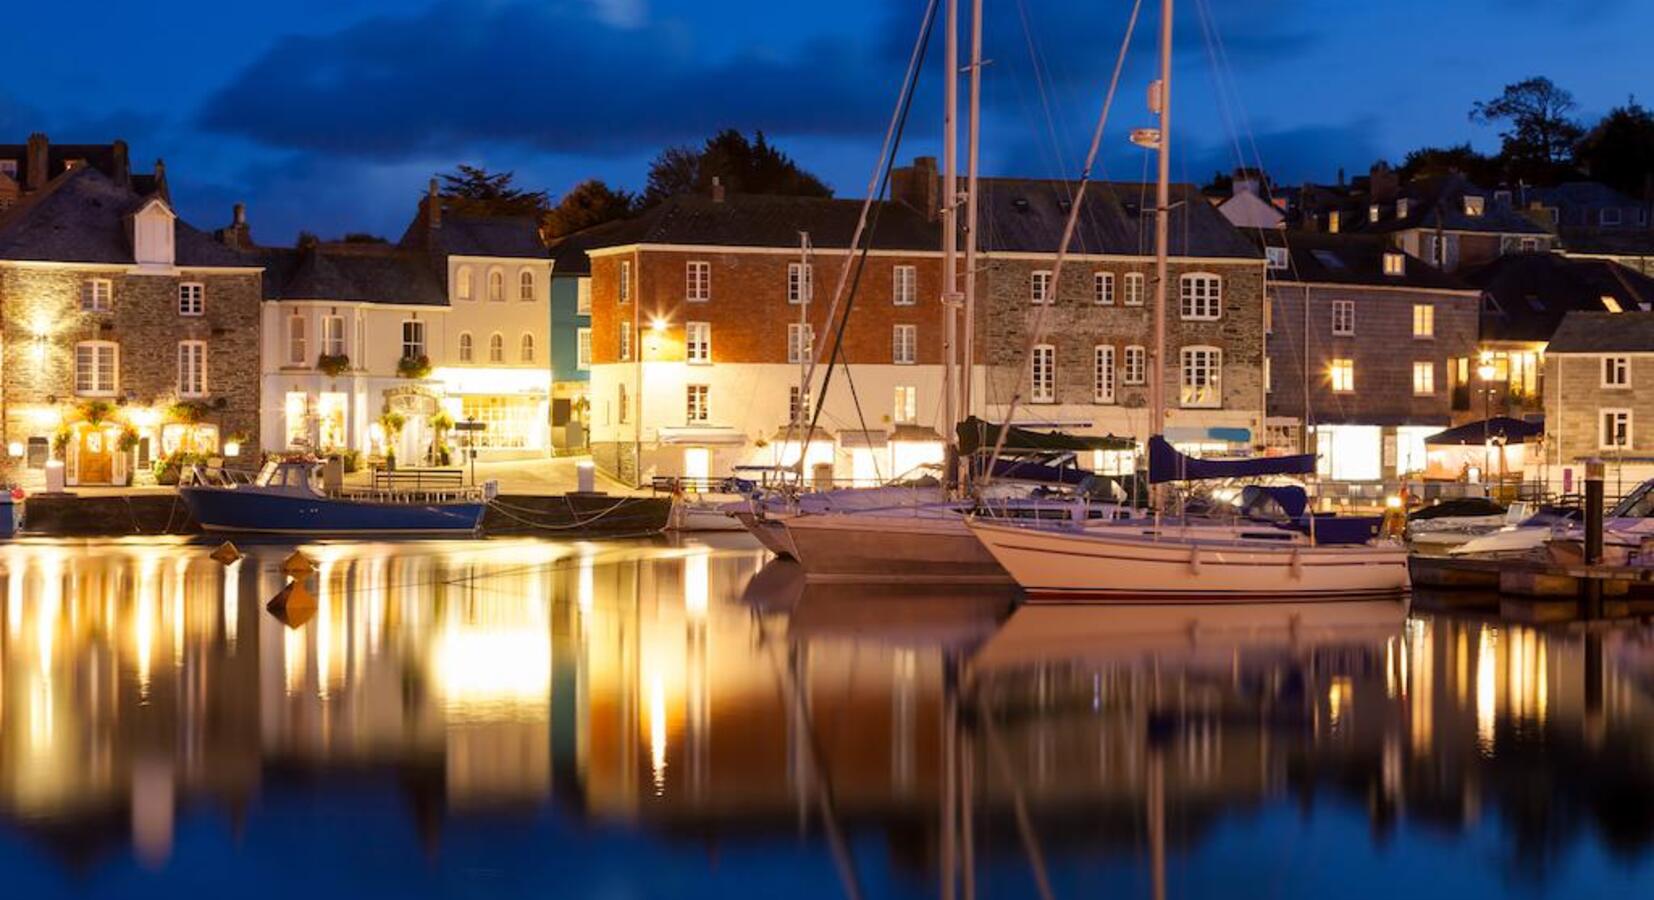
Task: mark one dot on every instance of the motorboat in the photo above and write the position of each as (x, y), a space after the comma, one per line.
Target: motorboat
(1623, 531)
(1435, 529)
(294, 497)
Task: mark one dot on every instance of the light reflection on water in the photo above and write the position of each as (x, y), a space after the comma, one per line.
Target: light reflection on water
(507, 718)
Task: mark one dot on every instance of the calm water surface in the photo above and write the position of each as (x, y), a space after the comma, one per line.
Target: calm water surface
(555, 719)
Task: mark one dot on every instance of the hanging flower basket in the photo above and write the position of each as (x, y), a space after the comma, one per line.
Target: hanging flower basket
(333, 364)
(414, 366)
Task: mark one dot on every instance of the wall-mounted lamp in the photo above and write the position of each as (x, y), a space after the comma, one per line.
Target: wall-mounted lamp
(232, 449)
(658, 325)
(15, 448)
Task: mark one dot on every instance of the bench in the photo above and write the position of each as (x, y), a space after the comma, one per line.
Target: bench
(417, 480)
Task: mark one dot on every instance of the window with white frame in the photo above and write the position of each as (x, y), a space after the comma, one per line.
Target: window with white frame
(625, 335)
(800, 282)
(1201, 296)
(297, 349)
(1135, 365)
(1039, 287)
(525, 285)
(1134, 289)
(904, 345)
(1372, 212)
(192, 368)
(1202, 378)
(333, 335)
(1341, 373)
(496, 284)
(462, 283)
(1616, 371)
(1343, 317)
(1268, 376)
(906, 411)
(525, 347)
(1530, 245)
(192, 298)
(1610, 216)
(798, 403)
(1615, 433)
(583, 297)
(1395, 264)
(1102, 364)
(1102, 288)
(1278, 258)
(583, 349)
(904, 285)
(1043, 374)
(697, 278)
(95, 368)
(1474, 206)
(1424, 321)
(800, 342)
(496, 348)
(697, 343)
(625, 287)
(467, 347)
(1424, 378)
(623, 404)
(413, 339)
(699, 409)
(98, 295)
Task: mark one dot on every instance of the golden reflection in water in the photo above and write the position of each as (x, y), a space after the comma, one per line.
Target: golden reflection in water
(1487, 673)
(1340, 694)
(657, 734)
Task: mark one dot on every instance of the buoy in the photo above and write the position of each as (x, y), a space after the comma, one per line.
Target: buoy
(297, 565)
(293, 605)
(226, 553)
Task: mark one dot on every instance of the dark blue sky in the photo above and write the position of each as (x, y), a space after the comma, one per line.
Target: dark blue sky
(331, 114)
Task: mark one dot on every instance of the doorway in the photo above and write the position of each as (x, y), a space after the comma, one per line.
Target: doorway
(94, 454)
(697, 466)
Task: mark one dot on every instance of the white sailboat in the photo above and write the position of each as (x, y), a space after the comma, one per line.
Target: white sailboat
(1185, 562)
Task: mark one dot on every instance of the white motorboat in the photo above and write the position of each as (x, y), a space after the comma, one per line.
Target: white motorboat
(1623, 530)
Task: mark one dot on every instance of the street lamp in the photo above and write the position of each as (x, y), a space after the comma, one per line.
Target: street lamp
(1486, 370)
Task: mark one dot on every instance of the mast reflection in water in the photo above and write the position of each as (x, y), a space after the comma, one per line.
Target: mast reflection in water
(523, 718)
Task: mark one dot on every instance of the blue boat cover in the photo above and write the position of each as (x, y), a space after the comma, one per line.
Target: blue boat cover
(1290, 498)
(1028, 470)
(1166, 464)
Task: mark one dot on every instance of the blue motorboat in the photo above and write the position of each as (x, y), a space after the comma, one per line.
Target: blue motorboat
(289, 496)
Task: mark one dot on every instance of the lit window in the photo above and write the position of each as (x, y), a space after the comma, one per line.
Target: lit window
(1402, 207)
(297, 354)
(1616, 429)
(1424, 379)
(1102, 288)
(625, 281)
(1342, 375)
(413, 339)
(697, 342)
(1343, 317)
(1395, 264)
(904, 350)
(1201, 296)
(1474, 206)
(907, 404)
(525, 285)
(97, 295)
(95, 368)
(525, 348)
(1134, 289)
(800, 343)
(192, 298)
(904, 288)
(333, 335)
(697, 396)
(467, 347)
(583, 297)
(1043, 370)
(1103, 373)
(1279, 259)
(192, 368)
(623, 406)
(697, 286)
(462, 283)
(1202, 381)
(1424, 320)
(496, 348)
(1135, 368)
(625, 341)
(800, 282)
(583, 349)
(798, 404)
(1372, 212)
(496, 284)
(1616, 371)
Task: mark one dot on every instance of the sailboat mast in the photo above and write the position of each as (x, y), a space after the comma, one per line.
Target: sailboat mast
(973, 138)
(950, 237)
(1162, 98)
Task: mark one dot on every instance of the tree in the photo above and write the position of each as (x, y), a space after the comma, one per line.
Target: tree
(1619, 151)
(1539, 138)
(474, 190)
(591, 202)
(740, 165)
(1433, 162)
(362, 237)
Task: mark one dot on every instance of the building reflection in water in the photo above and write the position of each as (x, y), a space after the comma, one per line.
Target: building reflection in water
(681, 688)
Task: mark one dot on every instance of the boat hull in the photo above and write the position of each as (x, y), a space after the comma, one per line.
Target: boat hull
(769, 532)
(701, 515)
(1128, 566)
(891, 548)
(252, 512)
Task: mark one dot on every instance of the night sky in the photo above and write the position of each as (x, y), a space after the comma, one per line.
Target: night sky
(329, 115)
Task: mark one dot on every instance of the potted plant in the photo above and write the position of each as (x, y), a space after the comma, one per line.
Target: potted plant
(414, 366)
(333, 364)
(188, 412)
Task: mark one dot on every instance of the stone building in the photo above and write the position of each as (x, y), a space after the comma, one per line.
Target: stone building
(130, 336)
(1599, 400)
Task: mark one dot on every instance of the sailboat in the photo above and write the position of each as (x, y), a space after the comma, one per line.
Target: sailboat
(1189, 560)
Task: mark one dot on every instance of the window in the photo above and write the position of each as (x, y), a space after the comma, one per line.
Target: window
(192, 298)
(1343, 317)
(697, 277)
(1202, 296)
(696, 396)
(625, 281)
(1043, 369)
(583, 349)
(625, 341)
(623, 404)
(95, 368)
(333, 335)
(192, 368)
(904, 349)
(462, 283)
(98, 294)
(1134, 289)
(1610, 216)
(1268, 315)
(496, 284)
(800, 343)
(1102, 364)
(1202, 379)
(800, 282)
(583, 297)
(904, 287)
(1616, 430)
(1102, 288)
(1616, 371)
(1136, 367)
(1530, 245)
(1278, 259)
(1268, 376)
(1039, 286)
(1502, 198)
(413, 339)
(1424, 379)
(1342, 375)
(525, 285)
(1474, 206)
(798, 404)
(907, 404)
(1612, 303)
(496, 348)
(1401, 207)
(467, 347)
(697, 342)
(297, 355)
(1395, 264)
(1424, 321)
(525, 348)
(1372, 212)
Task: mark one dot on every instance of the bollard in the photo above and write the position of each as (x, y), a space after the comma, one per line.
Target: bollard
(585, 475)
(1591, 588)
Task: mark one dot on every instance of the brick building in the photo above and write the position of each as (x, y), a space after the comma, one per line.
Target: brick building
(130, 335)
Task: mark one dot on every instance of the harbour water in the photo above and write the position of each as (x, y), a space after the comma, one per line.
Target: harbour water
(522, 718)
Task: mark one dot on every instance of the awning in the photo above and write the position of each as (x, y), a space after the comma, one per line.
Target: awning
(1208, 435)
(1502, 429)
(795, 433)
(915, 434)
(1166, 464)
(709, 435)
(869, 439)
(975, 434)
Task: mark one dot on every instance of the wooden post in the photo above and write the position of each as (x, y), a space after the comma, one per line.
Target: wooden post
(1591, 588)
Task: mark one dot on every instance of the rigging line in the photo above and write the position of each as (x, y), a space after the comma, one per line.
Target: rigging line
(1038, 333)
(887, 155)
(1040, 79)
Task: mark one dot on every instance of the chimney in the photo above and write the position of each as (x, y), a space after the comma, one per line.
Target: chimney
(238, 236)
(1383, 183)
(916, 186)
(161, 189)
(1340, 176)
(717, 189)
(433, 206)
(121, 173)
(35, 160)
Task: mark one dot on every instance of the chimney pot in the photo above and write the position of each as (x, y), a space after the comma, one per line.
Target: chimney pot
(433, 205)
(717, 189)
(36, 157)
(240, 214)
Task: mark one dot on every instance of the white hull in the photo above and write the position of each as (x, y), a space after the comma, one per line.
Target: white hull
(936, 547)
(769, 532)
(702, 515)
(1124, 564)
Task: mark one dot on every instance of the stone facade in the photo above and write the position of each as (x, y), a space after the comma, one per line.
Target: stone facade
(1576, 399)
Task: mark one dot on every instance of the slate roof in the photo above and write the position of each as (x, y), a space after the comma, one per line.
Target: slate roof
(81, 216)
(462, 234)
(109, 158)
(1354, 259)
(1601, 332)
(1028, 215)
(362, 273)
(1532, 292)
(758, 220)
(1431, 203)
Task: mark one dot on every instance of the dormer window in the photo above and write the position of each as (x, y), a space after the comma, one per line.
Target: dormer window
(1502, 198)
(8, 168)
(1372, 213)
(1610, 216)
(1395, 264)
(1402, 208)
(152, 235)
(1474, 206)
(1278, 258)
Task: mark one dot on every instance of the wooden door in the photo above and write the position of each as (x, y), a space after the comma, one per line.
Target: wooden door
(96, 459)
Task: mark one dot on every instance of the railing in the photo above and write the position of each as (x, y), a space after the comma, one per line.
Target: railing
(418, 486)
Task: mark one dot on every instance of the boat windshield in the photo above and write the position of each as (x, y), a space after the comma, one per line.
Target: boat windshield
(1639, 504)
(266, 474)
